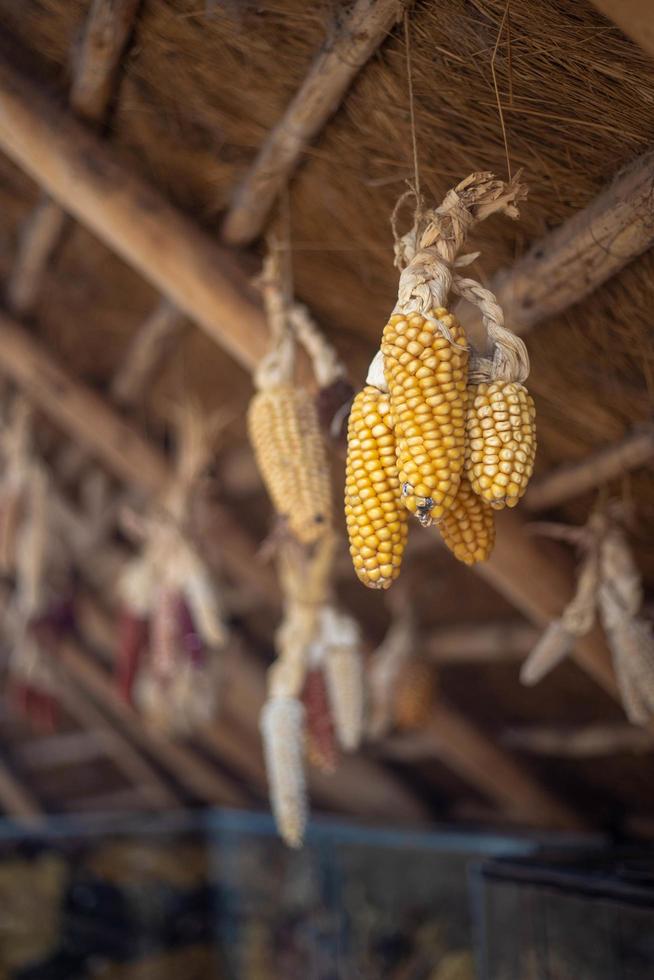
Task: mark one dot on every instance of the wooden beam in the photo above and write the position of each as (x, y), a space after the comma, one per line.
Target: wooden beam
(477, 759)
(89, 180)
(581, 741)
(120, 750)
(571, 262)
(107, 29)
(97, 62)
(79, 410)
(484, 642)
(597, 469)
(16, 800)
(634, 17)
(349, 47)
(538, 579)
(61, 749)
(37, 242)
(151, 344)
(201, 779)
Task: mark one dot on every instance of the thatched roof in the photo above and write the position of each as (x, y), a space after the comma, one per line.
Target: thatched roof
(200, 86)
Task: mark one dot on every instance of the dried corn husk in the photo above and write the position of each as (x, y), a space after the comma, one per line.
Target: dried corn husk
(553, 646)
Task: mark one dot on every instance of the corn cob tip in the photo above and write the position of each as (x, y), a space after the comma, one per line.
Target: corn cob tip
(468, 528)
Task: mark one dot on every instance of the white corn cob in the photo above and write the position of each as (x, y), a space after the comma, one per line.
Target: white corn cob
(282, 729)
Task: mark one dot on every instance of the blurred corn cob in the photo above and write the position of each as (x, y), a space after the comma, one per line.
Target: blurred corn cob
(321, 748)
(415, 695)
(282, 729)
(290, 452)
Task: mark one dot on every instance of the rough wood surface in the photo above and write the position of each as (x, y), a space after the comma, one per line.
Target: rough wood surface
(570, 262)
(634, 17)
(597, 469)
(91, 183)
(353, 42)
(485, 642)
(97, 61)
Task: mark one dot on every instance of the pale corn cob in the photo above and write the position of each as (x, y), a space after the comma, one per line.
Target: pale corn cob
(500, 441)
(290, 452)
(468, 528)
(426, 369)
(375, 517)
(344, 672)
(282, 729)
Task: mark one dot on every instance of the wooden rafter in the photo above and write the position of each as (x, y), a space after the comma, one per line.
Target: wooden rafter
(79, 410)
(87, 179)
(474, 643)
(198, 777)
(97, 61)
(595, 470)
(634, 17)
(348, 49)
(571, 262)
(16, 800)
(134, 766)
(487, 766)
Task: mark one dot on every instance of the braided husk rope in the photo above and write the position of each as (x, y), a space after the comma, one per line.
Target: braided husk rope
(430, 251)
(327, 365)
(509, 360)
(276, 367)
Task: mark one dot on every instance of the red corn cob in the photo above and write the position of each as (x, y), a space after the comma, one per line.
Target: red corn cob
(321, 739)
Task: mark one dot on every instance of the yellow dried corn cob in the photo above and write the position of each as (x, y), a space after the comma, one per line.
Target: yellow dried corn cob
(291, 455)
(468, 528)
(427, 375)
(500, 441)
(376, 519)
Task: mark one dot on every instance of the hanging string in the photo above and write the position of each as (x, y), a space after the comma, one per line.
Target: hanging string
(412, 112)
(505, 20)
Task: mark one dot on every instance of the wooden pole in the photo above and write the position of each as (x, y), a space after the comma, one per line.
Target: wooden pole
(580, 742)
(570, 262)
(97, 62)
(79, 410)
(107, 30)
(485, 642)
(634, 17)
(89, 181)
(597, 469)
(330, 76)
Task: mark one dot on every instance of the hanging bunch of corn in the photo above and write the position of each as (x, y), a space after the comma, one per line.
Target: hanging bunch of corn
(39, 609)
(608, 582)
(285, 429)
(408, 435)
(315, 686)
(171, 627)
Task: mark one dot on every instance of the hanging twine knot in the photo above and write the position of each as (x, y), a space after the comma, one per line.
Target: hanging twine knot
(428, 253)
